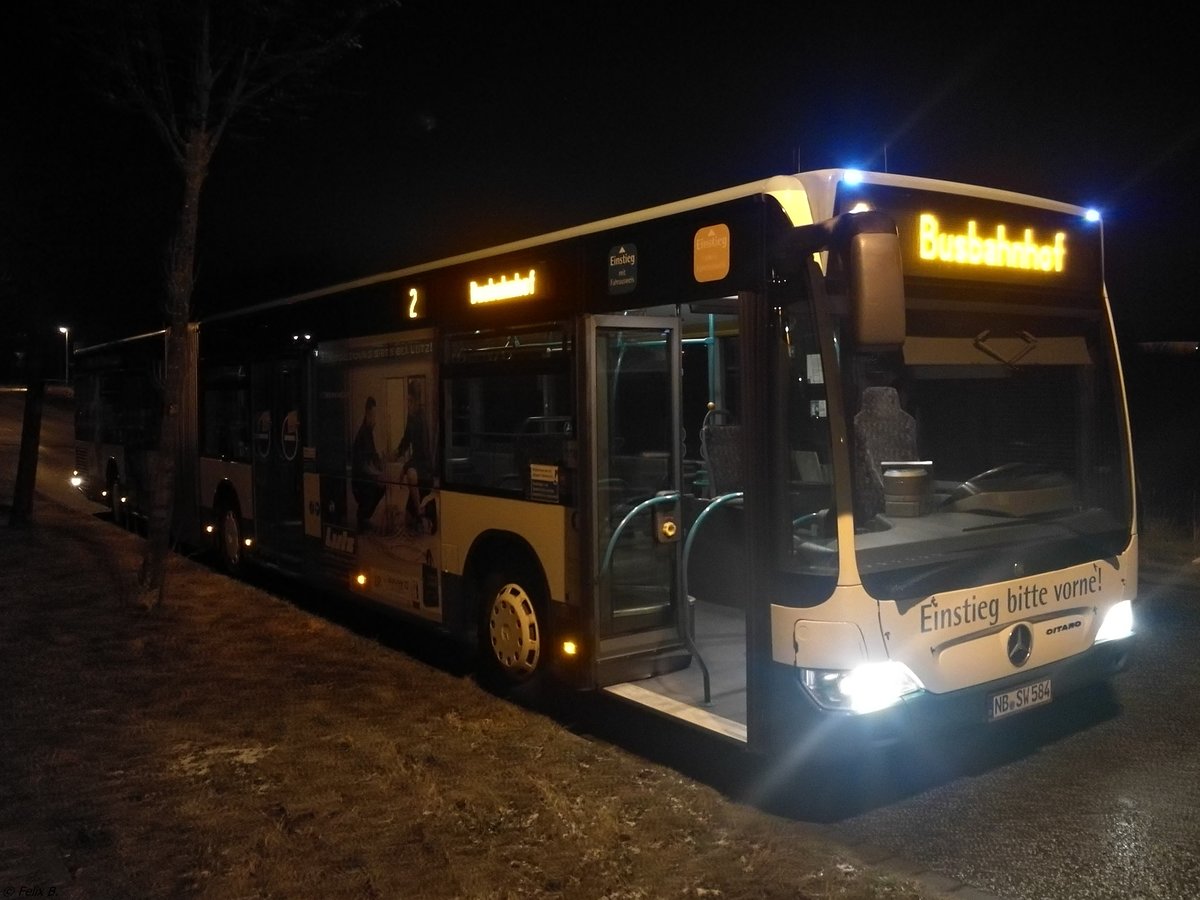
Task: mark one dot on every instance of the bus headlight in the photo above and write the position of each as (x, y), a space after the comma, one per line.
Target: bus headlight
(863, 689)
(1117, 624)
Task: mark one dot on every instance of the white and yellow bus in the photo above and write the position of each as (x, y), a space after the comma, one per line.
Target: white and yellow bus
(826, 455)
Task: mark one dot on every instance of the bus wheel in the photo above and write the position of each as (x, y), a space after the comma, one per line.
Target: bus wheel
(229, 540)
(511, 638)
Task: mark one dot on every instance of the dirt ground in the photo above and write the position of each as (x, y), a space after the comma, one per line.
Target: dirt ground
(236, 744)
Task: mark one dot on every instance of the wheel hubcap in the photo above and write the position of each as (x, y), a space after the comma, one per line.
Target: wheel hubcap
(514, 632)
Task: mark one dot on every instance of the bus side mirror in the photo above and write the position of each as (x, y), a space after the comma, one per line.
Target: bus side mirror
(876, 283)
(868, 248)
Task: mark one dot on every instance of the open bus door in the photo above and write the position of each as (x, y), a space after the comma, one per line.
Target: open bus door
(633, 478)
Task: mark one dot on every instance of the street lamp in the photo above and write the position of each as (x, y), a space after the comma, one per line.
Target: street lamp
(66, 333)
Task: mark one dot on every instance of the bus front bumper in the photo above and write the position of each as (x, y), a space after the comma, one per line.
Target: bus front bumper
(803, 730)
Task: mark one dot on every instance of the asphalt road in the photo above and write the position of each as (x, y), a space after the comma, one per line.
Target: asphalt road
(1096, 796)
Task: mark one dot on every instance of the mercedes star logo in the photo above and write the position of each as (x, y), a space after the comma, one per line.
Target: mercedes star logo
(1020, 644)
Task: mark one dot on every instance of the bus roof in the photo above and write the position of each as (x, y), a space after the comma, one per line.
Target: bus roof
(805, 197)
(129, 339)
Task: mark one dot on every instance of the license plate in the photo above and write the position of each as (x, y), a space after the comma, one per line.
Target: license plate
(1019, 699)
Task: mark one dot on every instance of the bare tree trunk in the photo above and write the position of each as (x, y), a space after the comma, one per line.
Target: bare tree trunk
(180, 283)
(31, 432)
(153, 578)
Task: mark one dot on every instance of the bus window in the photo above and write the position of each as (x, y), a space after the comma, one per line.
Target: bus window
(508, 406)
(1016, 445)
(225, 414)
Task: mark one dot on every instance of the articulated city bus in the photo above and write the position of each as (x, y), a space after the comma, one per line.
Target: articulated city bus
(829, 454)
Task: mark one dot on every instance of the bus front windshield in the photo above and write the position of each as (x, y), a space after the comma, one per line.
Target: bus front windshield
(987, 447)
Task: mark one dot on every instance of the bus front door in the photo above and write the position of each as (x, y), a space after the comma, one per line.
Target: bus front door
(277, 399)
(632, 388)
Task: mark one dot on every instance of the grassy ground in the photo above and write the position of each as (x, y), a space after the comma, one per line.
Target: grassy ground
(235, 745)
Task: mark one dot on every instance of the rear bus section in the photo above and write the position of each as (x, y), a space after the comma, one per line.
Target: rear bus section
(118, 416)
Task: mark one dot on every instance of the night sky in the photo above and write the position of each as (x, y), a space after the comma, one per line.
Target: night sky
(459, 127)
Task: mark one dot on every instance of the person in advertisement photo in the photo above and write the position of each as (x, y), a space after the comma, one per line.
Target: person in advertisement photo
(367, 468)
(416, 462)
(394, 486)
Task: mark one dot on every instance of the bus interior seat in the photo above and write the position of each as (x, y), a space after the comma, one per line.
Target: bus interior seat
(882, 431)
(721, 448)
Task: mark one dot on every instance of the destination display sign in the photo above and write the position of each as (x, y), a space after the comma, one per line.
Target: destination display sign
(501, 289)
(979, 239)
(517, 286)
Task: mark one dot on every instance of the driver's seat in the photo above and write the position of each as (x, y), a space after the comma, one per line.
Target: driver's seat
(883, 431)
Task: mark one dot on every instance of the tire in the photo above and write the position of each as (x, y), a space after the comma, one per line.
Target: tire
(510, 638)
(228, 539)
